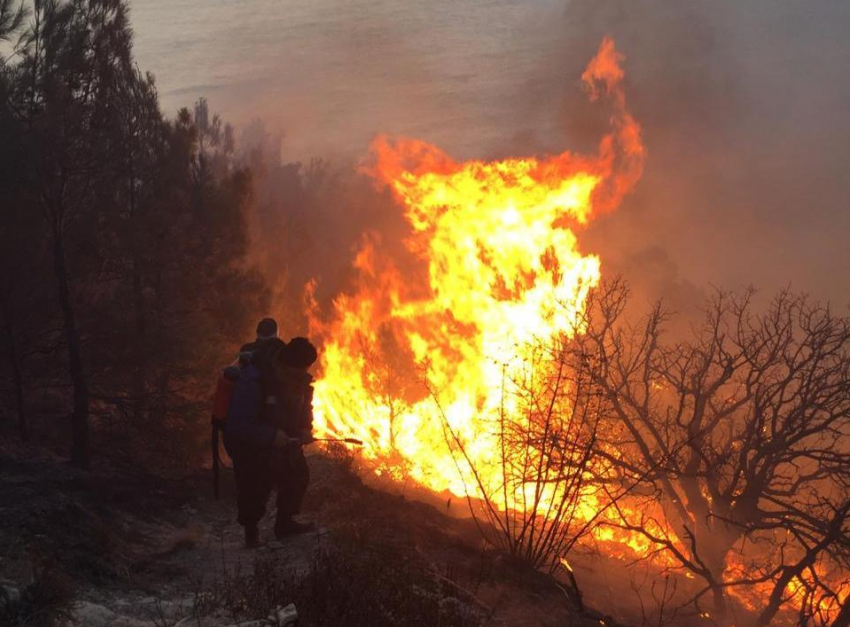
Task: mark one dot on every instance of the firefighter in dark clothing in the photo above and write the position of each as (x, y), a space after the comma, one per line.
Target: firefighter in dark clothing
(269, 422)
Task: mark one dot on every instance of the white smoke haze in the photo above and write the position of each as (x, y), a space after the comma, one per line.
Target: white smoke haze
(743, 107)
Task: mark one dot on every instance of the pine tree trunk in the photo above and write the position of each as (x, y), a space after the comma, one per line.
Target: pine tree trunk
(140, 380)
(80, 453)
(17, 377)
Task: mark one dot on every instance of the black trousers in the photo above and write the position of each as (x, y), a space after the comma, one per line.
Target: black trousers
(257, 474)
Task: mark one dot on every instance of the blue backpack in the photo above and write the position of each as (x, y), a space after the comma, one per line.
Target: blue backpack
(244, 432)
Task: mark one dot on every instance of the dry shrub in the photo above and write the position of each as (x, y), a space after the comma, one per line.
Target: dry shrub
(353, 582)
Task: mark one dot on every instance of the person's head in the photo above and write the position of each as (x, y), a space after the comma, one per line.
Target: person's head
(266, 329)
(299, 353)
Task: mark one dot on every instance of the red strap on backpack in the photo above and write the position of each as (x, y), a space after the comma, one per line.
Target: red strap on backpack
(221, 400)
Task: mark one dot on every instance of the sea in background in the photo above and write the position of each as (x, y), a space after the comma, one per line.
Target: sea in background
(331, 74)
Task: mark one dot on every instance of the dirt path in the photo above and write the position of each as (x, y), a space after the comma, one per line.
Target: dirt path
(189, 561)
(131, 550)
(120, 548)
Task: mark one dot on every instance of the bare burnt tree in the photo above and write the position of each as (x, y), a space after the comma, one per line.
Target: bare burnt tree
(741, 432)
(842, 617)
(822, 599)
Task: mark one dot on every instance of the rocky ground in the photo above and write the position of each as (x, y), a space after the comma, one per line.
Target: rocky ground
(116, 546)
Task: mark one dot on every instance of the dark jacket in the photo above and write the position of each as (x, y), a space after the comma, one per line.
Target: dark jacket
(287, 391)
(260, 350)
(264, 353)
(294, 394)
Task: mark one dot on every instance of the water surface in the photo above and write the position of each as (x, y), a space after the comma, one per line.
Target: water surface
(331, 73)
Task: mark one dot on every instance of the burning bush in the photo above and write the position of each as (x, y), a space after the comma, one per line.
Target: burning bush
(546, 495)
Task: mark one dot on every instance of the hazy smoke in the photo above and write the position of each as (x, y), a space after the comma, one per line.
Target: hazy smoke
(743, 107)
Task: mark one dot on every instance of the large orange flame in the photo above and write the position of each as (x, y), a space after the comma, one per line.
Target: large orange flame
(491, 266)
(497, 266)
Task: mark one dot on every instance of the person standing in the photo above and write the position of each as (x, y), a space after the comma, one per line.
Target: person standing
(269, 421)
(289, 408)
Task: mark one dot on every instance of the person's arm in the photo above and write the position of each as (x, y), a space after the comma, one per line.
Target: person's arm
(282, 439)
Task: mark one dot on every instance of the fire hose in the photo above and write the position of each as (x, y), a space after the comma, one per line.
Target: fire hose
(354, 441)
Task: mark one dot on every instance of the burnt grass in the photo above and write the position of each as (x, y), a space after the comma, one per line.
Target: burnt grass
(382, 559)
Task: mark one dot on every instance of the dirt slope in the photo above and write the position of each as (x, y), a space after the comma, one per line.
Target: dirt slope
(116, 546)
